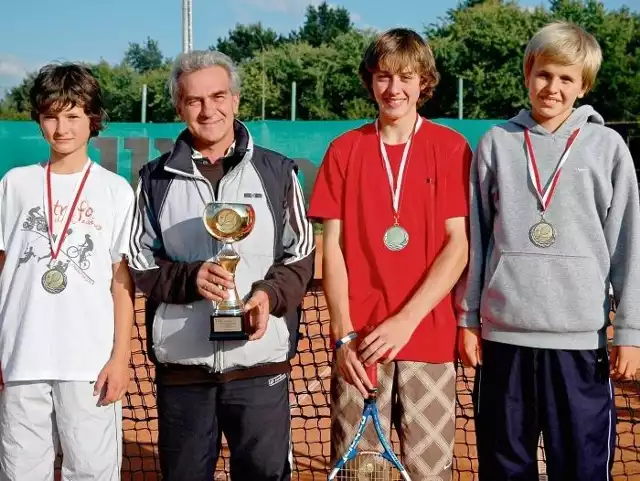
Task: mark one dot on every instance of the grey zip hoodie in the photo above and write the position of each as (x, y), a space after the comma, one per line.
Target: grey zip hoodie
(554, 297)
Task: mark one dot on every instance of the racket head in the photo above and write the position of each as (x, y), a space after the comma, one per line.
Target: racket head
(369, 466)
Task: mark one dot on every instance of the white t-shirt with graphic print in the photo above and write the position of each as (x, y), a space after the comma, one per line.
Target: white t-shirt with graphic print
(66, 335)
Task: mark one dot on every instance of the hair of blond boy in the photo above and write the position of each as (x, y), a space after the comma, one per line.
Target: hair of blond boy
(565, 43)
(396, 51)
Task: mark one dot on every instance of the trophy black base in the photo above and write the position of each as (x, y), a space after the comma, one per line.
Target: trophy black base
(228, 327)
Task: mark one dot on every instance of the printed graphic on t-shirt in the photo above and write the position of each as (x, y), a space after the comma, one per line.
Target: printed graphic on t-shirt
(76, 251)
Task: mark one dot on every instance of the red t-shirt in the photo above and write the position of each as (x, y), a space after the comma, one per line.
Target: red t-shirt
(352, 185)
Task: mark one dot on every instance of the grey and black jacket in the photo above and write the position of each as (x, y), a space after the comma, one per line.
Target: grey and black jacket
(169, 244)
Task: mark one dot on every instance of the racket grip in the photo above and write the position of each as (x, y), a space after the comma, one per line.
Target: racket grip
(372, 372)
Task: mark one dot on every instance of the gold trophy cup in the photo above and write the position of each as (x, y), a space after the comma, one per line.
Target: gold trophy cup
(228, 223)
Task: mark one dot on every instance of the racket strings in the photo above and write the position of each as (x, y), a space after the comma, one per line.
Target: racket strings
(369, 466)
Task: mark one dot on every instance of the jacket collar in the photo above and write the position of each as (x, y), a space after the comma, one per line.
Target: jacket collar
(180, 158)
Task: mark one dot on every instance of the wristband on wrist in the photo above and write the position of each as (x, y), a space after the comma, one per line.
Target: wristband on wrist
(346, 339)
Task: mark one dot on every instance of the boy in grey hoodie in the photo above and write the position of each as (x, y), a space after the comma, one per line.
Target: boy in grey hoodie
(554, 222)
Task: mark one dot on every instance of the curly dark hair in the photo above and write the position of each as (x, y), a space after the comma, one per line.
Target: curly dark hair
(393, 51)
(61, 86)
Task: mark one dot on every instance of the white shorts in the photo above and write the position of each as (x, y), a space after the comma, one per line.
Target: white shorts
(37, 417)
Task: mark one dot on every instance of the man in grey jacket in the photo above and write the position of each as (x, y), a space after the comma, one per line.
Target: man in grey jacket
(235, 387)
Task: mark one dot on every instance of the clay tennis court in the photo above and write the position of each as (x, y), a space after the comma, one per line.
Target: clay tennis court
(310, 408)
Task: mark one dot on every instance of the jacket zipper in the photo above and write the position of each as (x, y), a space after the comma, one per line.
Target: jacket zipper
(217, 346)
(218, 364)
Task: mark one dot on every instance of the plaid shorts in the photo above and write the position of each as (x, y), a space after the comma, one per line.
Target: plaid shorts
(419, 399)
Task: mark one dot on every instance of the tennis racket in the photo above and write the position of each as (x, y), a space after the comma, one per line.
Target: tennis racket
(356, 465)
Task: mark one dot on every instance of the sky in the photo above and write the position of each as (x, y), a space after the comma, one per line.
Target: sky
(35, 32)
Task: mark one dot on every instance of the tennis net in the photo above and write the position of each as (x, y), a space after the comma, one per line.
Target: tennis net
(309, 400)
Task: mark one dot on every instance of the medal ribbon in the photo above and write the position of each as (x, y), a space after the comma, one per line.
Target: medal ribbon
(56, 246)
(546, 196)
(395, 193)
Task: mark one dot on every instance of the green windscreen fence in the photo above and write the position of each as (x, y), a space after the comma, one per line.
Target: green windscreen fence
(125, 147)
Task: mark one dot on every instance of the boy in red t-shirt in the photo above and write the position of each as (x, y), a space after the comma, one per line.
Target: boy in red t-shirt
(393, 198)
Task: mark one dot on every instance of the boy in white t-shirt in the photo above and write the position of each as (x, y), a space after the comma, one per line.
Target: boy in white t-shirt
(66, 310)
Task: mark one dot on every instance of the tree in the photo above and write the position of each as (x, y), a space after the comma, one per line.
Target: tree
(121, 91)
(322, 24)
(144, 58)
(17, 100)
(347, 95)
(10, 113)
(473, 3)
(252, 91)
(482, 41)
(299, 62)
(326, 76)
(617, 91)
(484, 44)
(160, 108)
(244, 40)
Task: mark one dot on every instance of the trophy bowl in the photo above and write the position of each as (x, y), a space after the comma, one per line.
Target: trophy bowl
(228, 223)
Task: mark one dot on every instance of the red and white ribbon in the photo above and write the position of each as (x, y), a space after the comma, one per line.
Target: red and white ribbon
(395, 193)
(545, 196)
(55, 242)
